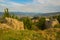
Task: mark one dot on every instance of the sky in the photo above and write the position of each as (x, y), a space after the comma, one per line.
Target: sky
(37, 6)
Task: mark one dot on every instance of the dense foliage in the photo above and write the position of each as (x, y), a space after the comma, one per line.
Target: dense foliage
(41, 23)
(27, 23)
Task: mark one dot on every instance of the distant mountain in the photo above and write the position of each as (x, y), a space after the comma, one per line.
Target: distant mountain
(48, 14)
(24, 14)
(32, 14)
(1, 13)
(21, 13)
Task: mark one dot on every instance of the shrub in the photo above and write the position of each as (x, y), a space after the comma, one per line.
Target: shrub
(27, 23)
(41, 23)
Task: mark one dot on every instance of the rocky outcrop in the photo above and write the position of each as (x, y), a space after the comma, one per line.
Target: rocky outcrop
(4, 26)
(55, 22)
(51, 23)
(13, 24)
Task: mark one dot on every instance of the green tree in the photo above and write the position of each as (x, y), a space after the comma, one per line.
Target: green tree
(54, 16)
(27, 23)
(6, 13)
(35, 17)
(41, 24)
(16, 17)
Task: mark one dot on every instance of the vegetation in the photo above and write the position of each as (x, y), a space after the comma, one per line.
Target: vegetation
(6, 13)
(58, 18)
(50, 34)
(14, 16)
(27, 23)
(41, 23)
(35, 17)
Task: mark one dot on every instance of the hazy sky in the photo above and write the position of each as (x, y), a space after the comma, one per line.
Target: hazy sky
(31, 5)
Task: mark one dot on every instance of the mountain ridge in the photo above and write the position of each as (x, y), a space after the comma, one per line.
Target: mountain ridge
(32, 14)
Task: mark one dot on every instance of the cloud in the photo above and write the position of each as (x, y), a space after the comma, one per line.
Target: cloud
(1, 0)
(37, 6)
(49, 2)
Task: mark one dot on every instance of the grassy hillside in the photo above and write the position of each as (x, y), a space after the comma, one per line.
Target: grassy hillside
(49, 34)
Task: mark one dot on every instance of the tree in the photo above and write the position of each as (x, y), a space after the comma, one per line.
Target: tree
(6, 13)
(27, 23)
(35, 17)
(54, 17)
(41, 23)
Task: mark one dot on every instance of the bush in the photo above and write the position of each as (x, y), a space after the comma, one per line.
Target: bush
(27, 23)
(41, 23)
